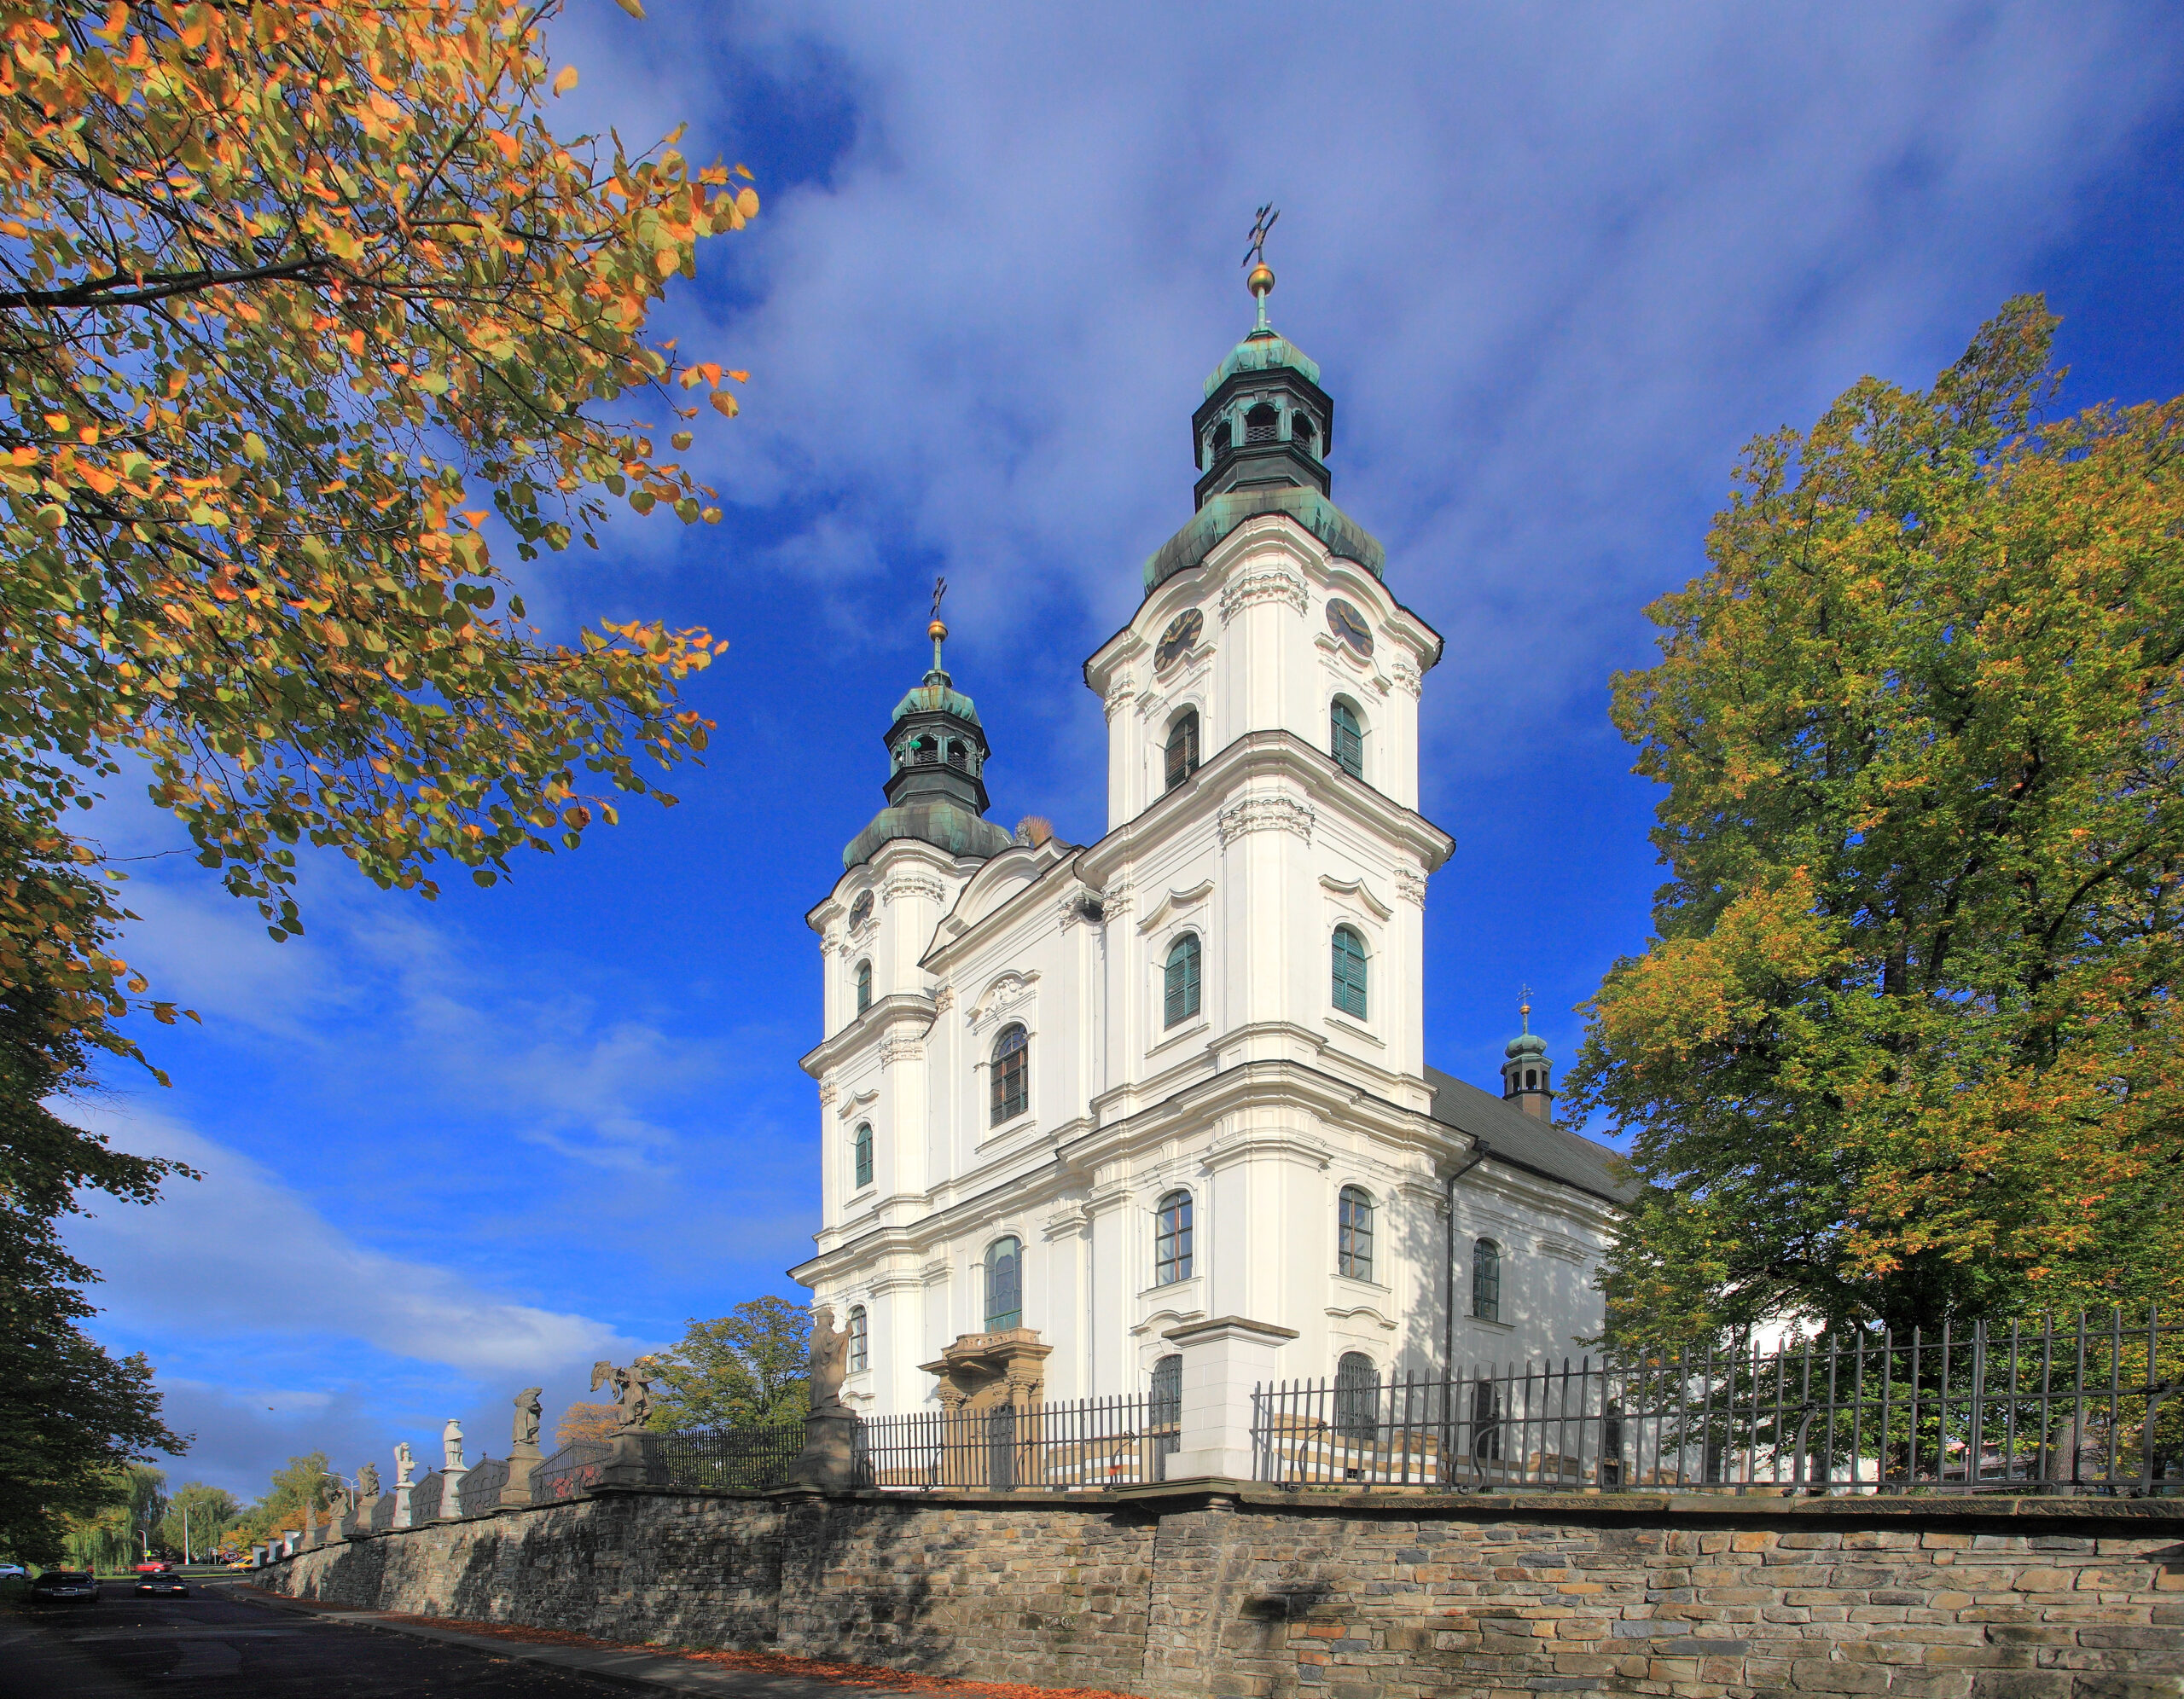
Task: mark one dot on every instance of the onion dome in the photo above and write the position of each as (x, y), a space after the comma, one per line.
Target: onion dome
(1527, 1075)
(936, 787)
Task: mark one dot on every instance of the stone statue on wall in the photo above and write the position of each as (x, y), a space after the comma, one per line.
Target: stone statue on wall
(632, 1391)
(451, 1444)
(526, 1416)
(368, 1480)
(405, 1461)
(830, 1358)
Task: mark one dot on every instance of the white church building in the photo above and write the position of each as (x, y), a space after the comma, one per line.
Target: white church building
(1074, 1097)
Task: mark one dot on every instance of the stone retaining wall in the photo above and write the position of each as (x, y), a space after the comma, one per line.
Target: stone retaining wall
(1215, 1589)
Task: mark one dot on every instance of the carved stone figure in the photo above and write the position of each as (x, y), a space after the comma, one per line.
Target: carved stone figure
(526, 1416)
(451, 1443)
(368, 1480)
(830, 1358)
(406, 1460)
(632, 1391)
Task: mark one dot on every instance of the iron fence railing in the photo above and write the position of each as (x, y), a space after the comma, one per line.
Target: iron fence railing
(2085, 1406)
(748, 1458)
(1085, 1446)
(571, 1471)
(481, 1485)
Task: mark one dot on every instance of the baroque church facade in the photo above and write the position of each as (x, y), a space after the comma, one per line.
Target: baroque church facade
(1074, 1097)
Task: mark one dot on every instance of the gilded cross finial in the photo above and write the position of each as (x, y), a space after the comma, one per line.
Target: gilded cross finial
(936, 630)
(1261, 280)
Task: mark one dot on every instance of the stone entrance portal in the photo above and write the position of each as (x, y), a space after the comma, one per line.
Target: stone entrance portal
(983, 1371)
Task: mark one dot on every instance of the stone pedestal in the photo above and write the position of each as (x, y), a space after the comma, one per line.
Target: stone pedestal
(635, 1461)
(401, 1518)
(367, 1512)
(828, 1461)
(1223, 1360)
(451, 1494)
(516, 1490)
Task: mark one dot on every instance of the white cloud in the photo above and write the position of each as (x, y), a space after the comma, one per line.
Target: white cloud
(241, 1252)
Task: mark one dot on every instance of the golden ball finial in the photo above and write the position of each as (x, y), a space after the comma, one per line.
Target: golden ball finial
(1261, 281)
(936, 631)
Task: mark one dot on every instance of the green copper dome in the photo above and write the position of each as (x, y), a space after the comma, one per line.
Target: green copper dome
(1526, 1044)
(1263, 350)
(931, 698)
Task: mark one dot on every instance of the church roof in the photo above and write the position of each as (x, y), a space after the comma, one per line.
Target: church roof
(940, 820)
(1263, 350)
(1223, 513)
(930, 697)
(1525, 1142)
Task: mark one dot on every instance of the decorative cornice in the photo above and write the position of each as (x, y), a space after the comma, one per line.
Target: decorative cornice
(912, 884)
(894, 1050)
(1406, 677)
(1263, 584)
(1175, 903)
(1410, 886)
(827, 1088)
(1009, 992)
(1270, 813)
(1067, 1222)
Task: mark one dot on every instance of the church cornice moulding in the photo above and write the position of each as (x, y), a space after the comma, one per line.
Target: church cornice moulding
(1265, 814)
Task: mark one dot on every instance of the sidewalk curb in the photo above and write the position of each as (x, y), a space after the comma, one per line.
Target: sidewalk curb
(648, 1672)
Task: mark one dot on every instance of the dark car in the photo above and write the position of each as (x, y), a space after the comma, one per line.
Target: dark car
(64, 1586)
(162, 1587)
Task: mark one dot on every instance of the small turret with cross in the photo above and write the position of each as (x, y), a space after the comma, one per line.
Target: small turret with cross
(1527, 1075)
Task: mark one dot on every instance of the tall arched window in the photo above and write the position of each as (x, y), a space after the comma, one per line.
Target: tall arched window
(1354, 1233)
(1183, 748)
(1179, 1001)
(1348, 952)
(864, 1154)
(1171, 1239)
(1012, 1074)
(1004, 1285)
(1164, 1409)
(863, 986)
(860, 1357)
(1486, 1280)
(1356, 1397)
(1346, 739)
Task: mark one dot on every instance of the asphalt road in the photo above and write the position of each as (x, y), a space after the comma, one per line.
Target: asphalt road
(207, 1645)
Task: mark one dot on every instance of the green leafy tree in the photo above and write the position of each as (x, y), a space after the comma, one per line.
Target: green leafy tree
(303, 1483)
(1907, 1044)
(746, 1369)
(197, 1515)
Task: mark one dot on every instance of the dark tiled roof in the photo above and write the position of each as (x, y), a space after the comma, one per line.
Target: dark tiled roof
(1515, 1138)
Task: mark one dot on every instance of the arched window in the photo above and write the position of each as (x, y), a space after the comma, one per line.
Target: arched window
(959, 753)
(863, 1154)
(1531, 1079)
(861, 910)
(1179, 999)
(863, 986)
(1183, 747)
(1356, 1397)
(859, 1355)
(1346, 739)
(1301, 432)
(1486, 1280)
(1171, 1239)
(1348, 952)
(925, 752)
(1261, 424)
(1004, 1285)
(1218, 441)
(1164, 1409)
(1012, 1074)
(1354, 1234)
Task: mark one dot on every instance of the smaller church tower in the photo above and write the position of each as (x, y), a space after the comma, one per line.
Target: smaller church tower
(1527, 1075)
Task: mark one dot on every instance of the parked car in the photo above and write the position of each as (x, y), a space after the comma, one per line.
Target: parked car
(157, 1566)
(162, 1587)
(64, 1586)
(12, 1572)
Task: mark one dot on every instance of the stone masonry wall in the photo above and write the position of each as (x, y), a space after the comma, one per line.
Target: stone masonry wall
(1217, 1590)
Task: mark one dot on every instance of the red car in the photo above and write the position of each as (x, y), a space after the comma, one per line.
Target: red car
(160, 1568)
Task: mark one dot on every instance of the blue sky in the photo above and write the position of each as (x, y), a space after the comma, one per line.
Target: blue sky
(1557, 264)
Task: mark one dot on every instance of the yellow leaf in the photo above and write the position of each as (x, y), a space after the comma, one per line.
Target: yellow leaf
(631, 7)
(724, 402)
(565, 80)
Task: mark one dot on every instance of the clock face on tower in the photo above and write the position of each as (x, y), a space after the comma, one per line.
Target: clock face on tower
(1183, 632)
(1347, 624)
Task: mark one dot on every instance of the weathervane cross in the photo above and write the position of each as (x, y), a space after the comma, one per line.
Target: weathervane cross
(939, 589)
(1262, 227)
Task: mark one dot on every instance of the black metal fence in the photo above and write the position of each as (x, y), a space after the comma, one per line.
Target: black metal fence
(570, 1472)
(749, 1458)
(2085, 1406)
(1082, 1446)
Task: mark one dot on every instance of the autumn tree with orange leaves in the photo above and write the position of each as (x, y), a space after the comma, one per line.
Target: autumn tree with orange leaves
(292, 298)
(1907, 1046)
